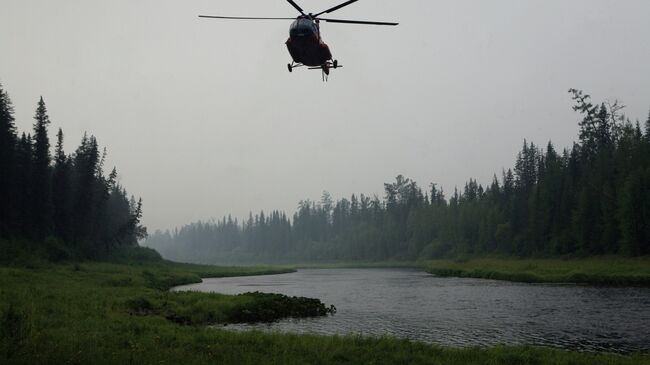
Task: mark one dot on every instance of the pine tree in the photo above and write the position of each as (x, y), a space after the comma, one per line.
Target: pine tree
(61, 191)
(634, 213)
(41, 194)
(604, 129)
(24, 162)
(7, 166)
(137, 231)
(647, 129)
(85, 163)
(588, 125)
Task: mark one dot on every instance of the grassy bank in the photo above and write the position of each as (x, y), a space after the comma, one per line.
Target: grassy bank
(614, 271)
(97, 313)
(607, 270)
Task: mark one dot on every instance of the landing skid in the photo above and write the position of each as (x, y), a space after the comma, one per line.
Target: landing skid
(325, 68)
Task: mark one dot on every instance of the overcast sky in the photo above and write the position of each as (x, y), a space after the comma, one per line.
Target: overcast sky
(202, 118)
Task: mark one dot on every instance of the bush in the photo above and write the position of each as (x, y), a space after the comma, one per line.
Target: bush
(140, 306)
(21, 253)
(134, 254)
(268, 307)
(435, 249)
(57, 251)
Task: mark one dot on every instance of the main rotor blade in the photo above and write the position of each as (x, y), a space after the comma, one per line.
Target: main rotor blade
(336, 7)
(355, 22)
(296, 6)
(242, 17)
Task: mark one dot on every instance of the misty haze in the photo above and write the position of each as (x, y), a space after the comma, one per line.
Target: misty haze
(325, 182)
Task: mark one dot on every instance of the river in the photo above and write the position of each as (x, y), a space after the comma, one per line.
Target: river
(412, 304)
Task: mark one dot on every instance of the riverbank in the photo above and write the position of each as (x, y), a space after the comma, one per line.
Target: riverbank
(607, 271)
(108, 313)
(602, 271)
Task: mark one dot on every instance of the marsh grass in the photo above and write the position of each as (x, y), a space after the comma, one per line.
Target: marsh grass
(607, 271)
(100, 313)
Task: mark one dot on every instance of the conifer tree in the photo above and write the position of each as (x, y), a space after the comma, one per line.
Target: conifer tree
(7, 166)
(634, 213)
(23, 178)
(61, 191)
(647, 129)
(85, 162)
(41, 194)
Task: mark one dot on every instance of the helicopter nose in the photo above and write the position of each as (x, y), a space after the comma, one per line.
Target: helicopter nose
(301, 28)
(301, 32)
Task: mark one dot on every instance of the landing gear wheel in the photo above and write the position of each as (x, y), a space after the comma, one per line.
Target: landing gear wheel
(290, 67)
(336, 63)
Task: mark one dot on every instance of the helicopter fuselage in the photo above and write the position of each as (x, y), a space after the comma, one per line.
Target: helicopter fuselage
(305, 44)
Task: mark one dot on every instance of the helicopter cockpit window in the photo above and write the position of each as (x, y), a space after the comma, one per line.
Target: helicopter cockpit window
(302, 28)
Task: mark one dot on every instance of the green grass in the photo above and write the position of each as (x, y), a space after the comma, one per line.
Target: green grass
(99, 313)
(614, 271)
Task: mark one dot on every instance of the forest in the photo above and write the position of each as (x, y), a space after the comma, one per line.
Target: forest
(590, 199)
(61, 206)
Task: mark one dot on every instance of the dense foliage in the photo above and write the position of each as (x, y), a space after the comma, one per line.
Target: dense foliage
(590, 199)
(63, 204)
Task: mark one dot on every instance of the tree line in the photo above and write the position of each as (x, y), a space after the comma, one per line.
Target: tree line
(61, 203)
(590, 199)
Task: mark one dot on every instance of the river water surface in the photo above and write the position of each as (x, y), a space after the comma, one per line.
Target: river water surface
(412, 304)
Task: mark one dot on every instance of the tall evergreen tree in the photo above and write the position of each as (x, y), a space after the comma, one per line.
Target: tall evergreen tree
(86, 159)
(7, 166)
(635, 213)
(24, 162)
(62, 191)
(647, 129)
(41, 193)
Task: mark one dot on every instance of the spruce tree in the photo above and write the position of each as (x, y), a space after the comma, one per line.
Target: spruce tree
(588, 125)
(7, 166)
(86, 159)
(41, 195)
(23, 178)
(634, 214)
(647, 129)
(61, 191)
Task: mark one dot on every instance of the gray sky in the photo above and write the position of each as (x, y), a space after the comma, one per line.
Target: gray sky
(202, 118)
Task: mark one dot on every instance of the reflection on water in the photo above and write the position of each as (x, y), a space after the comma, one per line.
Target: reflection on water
(458, 312)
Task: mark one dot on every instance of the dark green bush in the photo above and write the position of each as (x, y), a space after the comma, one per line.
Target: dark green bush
(267, 307)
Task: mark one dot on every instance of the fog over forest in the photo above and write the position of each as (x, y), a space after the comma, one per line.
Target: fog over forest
(220, 127)
(592, 199)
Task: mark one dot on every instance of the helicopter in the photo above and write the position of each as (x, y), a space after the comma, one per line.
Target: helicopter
(305, 44)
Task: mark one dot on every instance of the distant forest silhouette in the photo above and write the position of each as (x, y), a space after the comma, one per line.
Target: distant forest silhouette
(590, 199)
(61, 206)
